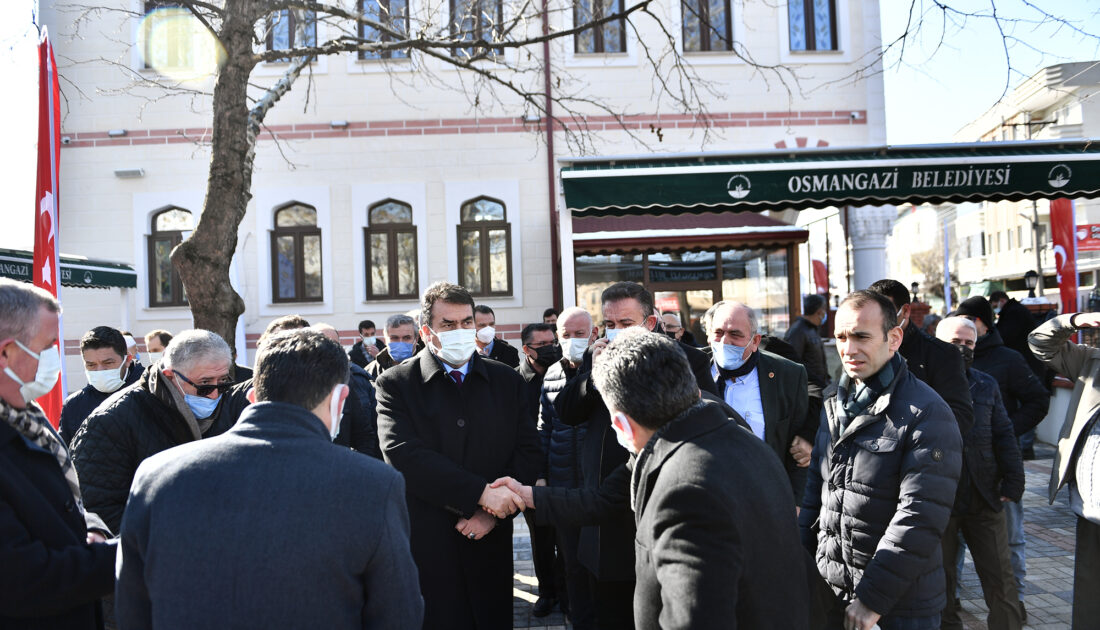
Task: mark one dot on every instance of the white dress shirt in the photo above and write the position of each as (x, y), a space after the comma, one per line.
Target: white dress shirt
(743, 394)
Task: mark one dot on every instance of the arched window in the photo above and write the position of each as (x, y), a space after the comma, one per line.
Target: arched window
(390, 244)
(296, 255)
(168, 228)
(485, 248)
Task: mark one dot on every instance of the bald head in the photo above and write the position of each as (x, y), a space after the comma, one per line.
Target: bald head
(327, 330)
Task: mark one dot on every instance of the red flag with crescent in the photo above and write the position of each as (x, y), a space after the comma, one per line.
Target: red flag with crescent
(1063, 228)
(47, 271)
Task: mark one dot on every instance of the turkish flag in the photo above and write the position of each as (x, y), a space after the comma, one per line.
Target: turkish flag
(1063, 228)
(821, 277)
(47, 272)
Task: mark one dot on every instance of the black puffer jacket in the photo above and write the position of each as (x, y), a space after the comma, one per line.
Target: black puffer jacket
(560, 441)
(994, 468)
(79, 405)
(1024, 397)
(130, 426)
(879, 496)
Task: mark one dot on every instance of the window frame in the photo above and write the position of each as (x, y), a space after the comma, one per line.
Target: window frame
(809, 26)
(292, 28)
(175, 237)
(706, 43)
(493, 52)
(391, 55)
(391, 230)
(483, 228)
(298, 232)
(600, 46)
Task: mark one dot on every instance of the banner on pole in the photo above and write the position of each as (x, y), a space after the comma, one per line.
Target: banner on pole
(47, 262)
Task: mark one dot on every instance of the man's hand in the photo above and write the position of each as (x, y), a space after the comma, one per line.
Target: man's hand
(477, 526)
(599, 346)
(1087, 320)
(859, 617)
(525, 493)
(500, 501)
(371, 349)
(96, 537)
(801, 449)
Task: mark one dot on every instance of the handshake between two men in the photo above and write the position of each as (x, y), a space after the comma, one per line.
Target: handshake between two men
(500, 499)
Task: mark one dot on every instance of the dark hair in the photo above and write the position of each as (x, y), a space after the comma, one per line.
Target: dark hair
(531, 329)
(998, 295)
(484, 310)
(366, 323)
(442, 291)
(892, 289)
(812, 303)
(279, 324)
(646, 376)
(299, 367)
(164, 336)
(550, 311)
(860, 299)
(104, 337)
(629, 290)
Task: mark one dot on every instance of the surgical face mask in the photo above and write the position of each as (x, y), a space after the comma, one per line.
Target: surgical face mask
(458, 345)
(335, 411)
(611, 333)
(369, 341)
(486, 335)
(728, 356)
(201, 406)
(548, 355)
(623, 433)
(575, 350)
(967, 354)
(45, 377)
(154, 357)
(106, 381)
(400, 350)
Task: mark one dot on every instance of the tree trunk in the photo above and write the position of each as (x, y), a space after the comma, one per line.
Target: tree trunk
(203, 259)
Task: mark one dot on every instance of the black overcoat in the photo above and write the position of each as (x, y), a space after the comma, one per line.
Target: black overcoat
(50, 577)
(450, 441)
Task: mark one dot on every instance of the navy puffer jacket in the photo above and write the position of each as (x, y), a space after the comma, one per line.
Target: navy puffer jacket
(994, 468)
(878, 497)
(561, 442)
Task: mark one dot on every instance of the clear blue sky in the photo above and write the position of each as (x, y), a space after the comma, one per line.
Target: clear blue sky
(931, 91)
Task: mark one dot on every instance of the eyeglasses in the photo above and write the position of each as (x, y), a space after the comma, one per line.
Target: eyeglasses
(541, 344)
(204, 390)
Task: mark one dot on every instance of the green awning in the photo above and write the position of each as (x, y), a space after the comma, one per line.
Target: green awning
(811, 178)
(76, 271)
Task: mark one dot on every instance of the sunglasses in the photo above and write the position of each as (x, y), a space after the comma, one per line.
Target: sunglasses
(204, 390)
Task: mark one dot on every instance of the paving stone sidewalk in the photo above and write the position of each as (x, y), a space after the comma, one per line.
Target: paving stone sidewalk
(1049, 585)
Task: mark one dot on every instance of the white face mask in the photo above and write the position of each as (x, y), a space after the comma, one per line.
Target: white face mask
(486, 335)
(106, 381)
(369, 341)
(458, 345)
(335, 411)
(154, 357)
(45, 377)
(574, 352)
(623, 433)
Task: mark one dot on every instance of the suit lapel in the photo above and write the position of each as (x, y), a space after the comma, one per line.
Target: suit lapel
(769, 399)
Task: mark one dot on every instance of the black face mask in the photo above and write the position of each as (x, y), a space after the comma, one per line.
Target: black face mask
(968, 355)
(548, 355)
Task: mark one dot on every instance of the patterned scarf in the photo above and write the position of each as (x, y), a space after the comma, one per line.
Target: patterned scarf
(31, 423)
(851, 404)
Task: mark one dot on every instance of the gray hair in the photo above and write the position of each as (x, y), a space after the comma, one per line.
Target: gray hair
(646, 376)
(957, 319)
(396, 321)
(708, 317)
(19, 306)
(192, 346)
(571, 311)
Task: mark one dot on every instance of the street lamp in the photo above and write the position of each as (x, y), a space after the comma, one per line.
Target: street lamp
(913, 291)
(1031, 279)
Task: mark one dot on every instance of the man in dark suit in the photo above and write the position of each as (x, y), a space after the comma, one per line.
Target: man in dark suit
(55, 563)
(606, 550)
(452, 422)
(300, 532)
(705, 558)
(488, 344)
(765, 389)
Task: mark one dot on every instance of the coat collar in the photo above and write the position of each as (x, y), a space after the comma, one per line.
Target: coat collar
(699, 419)
(266, 415)
(431, 367)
